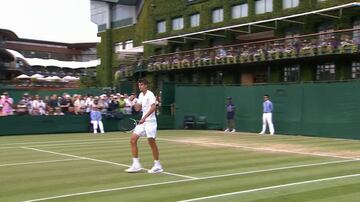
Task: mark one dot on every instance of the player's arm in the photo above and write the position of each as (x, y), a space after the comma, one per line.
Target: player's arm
(151, 110)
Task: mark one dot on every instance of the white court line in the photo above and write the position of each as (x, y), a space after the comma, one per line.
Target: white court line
(63, 141)
(260, 148)
(77, 143)
(187, 180)
(272, 187)
(37, 162)
(102, 161)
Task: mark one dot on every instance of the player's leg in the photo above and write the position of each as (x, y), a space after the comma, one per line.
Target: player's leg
(101, 126)
(151, 135)
(136, 166)
(270, 123)
(264, 124)
(157, 168)
(95, 126)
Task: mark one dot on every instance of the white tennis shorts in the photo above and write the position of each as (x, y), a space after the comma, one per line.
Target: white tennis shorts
(147, 129)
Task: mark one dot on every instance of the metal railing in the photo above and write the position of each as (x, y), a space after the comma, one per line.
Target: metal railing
(310, 45)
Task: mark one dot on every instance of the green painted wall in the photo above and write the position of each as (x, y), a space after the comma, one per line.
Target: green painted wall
(325, 109)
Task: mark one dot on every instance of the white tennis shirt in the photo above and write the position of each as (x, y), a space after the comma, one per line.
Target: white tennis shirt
(146, 100)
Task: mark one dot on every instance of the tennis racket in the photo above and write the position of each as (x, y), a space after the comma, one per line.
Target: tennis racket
(127, 124)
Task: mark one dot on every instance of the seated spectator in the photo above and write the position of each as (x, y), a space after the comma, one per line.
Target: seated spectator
(22, 106)
(58, 111)
(197, 56)
(220, 53)
(65, 103)
(53, 101)
(2, 113)
(122, 104)
(347, 42)
(186, 60)
(7, 103)
(35, 106)
(96, 119)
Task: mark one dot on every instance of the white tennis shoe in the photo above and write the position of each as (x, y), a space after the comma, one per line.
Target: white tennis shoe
(134, 168)
(156, 169)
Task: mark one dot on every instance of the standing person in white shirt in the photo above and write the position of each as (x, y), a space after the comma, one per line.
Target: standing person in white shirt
(146, 127)
(267, 115)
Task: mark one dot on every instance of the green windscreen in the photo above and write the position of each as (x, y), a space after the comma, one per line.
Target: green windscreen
(321, 109)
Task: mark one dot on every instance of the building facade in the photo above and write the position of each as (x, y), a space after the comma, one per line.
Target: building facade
(48, 58)
(242, 42)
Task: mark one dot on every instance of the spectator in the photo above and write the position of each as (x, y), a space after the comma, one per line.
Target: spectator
(95, 118)
(53, 102)
(122, 104)
(35, 106)
(23, 105)
(58, 111)
(7, 103)
(65, 103)
(2, 113)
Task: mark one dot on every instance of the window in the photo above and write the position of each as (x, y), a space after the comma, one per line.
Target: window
(178, 23)
(263, 6)
(119, 47)
(161, 27)
(291, 73)
(356, 33)
(195, 20)
(355, 70)
(239, 11)
(218, 15)
(290, 3)
(325, 72)
(129, 44)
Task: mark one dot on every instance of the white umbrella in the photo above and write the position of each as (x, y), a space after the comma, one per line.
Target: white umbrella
(68, 78)
(37, 76)
(23, 76)
(49, 78)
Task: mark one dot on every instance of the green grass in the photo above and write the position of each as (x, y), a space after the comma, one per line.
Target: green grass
(222, 167)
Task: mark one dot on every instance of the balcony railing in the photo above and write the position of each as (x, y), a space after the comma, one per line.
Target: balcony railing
(310, 45)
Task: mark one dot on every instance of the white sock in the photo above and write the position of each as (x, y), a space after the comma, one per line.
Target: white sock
(157, 163)
(136, 161)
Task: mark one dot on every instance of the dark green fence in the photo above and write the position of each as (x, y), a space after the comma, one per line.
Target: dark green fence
(315, 109)
(20, 125)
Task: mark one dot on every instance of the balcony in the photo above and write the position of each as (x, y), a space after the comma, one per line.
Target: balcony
(297, 47)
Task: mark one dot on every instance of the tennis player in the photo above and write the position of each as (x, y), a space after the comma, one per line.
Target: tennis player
(146, 127)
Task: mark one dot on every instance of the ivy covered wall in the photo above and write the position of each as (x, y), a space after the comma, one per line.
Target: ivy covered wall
(157, 10)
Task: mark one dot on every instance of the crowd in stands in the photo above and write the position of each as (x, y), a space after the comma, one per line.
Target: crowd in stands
(276, 49)
(65, 104)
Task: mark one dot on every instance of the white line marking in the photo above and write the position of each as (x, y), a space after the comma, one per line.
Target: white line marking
(76, 143)
(107, 190)
(260, 148)
(187, 180)
(272, 187)
(102, 161)
(37, 162)
(64, 141)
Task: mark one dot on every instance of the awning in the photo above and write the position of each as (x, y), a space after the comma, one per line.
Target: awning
(55, 63)
(235, 28)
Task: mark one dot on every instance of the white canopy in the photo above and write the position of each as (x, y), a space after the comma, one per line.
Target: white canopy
(70, 78)
(64, 64)
(37, 76)
(23, 76)
(55, 63)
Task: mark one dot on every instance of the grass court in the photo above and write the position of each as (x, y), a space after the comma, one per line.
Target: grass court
(199, 166)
